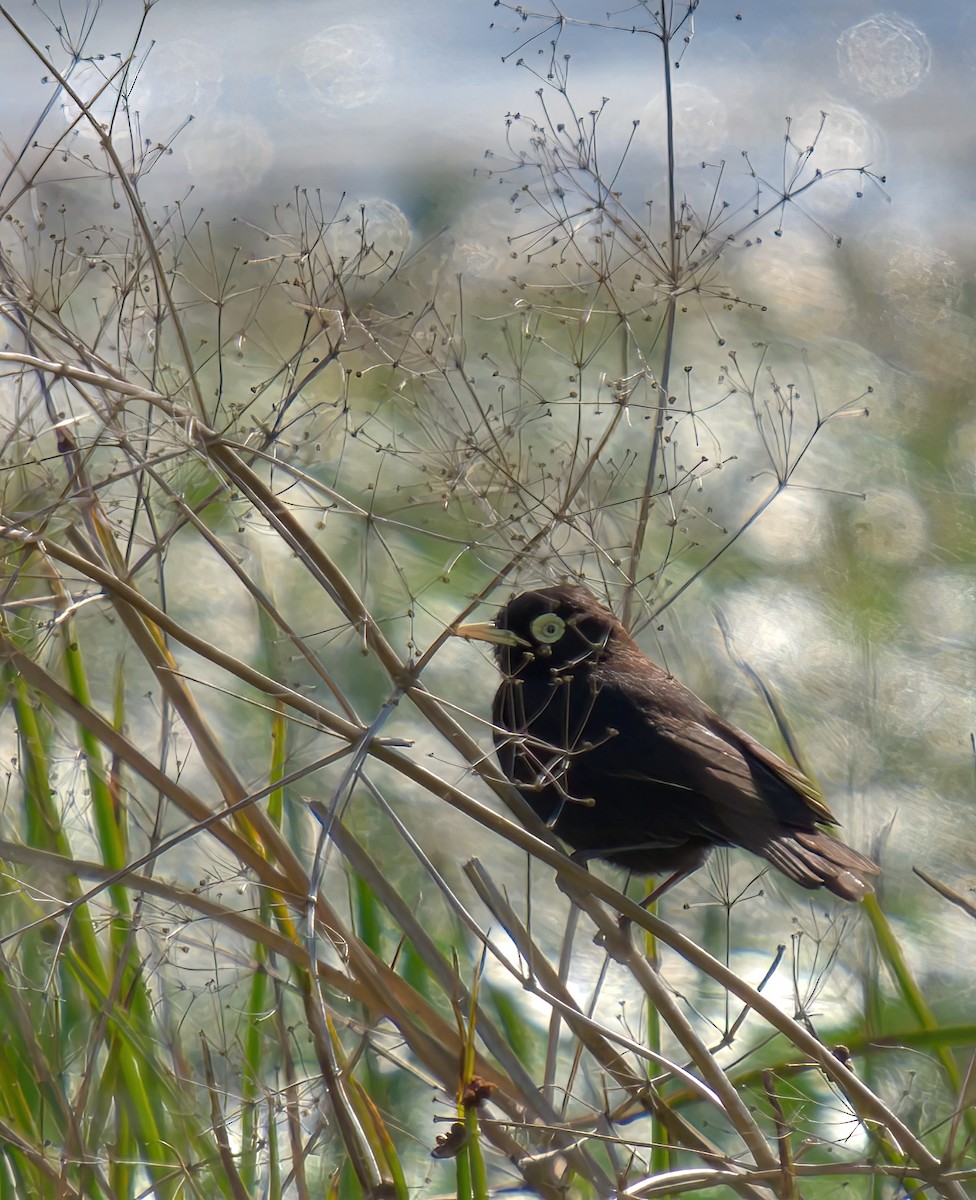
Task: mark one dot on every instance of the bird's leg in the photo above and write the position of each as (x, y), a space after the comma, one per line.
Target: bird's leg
(581, 858)
(672, 879)
(658, 892)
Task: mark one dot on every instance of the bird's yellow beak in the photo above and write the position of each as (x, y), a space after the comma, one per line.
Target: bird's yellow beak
(487, 631)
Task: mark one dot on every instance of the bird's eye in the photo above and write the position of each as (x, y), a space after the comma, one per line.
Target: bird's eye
(548, 628)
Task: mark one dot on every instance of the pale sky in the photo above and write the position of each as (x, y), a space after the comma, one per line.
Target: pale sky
(365, 98)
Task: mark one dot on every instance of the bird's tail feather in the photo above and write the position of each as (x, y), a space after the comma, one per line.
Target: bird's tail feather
(814, 859)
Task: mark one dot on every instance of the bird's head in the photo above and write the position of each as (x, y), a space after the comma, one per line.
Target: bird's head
(557, 627)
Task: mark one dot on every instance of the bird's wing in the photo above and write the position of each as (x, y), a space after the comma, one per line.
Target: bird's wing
(785, 772)
(751, 790)
(668, 736)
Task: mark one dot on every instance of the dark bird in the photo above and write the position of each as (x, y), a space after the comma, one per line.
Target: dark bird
(626, 764)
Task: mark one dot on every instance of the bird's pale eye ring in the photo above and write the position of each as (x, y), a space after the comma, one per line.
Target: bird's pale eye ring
(548, 628)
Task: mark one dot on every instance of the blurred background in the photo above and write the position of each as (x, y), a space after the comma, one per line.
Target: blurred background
(854, 593)
(813, 522)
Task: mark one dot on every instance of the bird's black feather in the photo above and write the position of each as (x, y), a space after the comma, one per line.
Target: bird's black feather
(626, 764)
